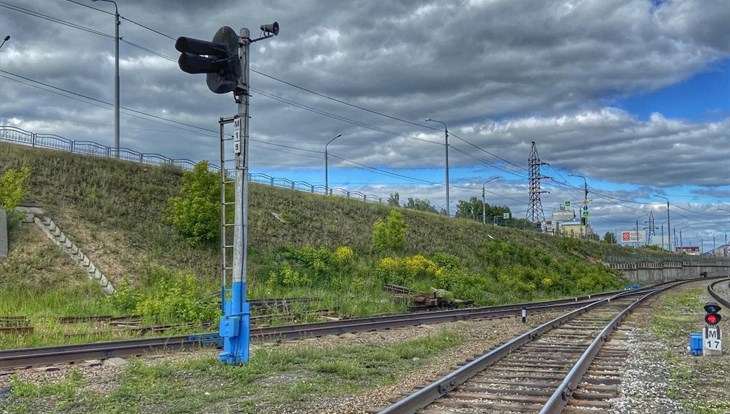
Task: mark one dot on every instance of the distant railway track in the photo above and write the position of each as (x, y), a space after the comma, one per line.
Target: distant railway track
(543, 370)
(28, 357)
(720, 291)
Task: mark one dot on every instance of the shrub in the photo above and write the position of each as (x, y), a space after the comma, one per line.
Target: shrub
(407, 270)
(343, 256)
(167, 296)
(13, 187)
(391, 234)
(196, 212)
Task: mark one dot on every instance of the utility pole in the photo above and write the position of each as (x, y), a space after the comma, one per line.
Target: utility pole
(584, 210)
(668, 225)
(446, 141)
(116, 76)
(484, 200)
(662, 235)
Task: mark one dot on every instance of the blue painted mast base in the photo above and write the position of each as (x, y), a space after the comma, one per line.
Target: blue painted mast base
(235, 326)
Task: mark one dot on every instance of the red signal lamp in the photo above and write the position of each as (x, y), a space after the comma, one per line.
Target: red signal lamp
(712, 319)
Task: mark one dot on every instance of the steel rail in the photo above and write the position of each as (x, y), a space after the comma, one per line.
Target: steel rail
(557, 402)
(717, 296)
(24, 357)
(449, 382)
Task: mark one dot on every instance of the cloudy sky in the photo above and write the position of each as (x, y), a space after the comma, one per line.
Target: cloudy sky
(633, 95)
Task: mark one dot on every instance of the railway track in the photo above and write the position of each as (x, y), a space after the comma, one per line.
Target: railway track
(720, 291)
(560, 366)
(28, 357)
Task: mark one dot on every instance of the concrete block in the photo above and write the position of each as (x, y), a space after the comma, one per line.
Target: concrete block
(116, 362)
(96, 274)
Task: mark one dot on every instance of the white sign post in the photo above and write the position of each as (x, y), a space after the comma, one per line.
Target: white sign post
(711, 341)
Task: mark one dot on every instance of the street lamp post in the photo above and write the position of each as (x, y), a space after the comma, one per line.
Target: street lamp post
(5, 40)
(446, 137)
(326, 166)
(669, 231)
(116, 76)
(484, 200)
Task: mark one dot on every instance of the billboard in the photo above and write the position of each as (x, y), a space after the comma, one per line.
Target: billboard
(630, 236)
(563, 215)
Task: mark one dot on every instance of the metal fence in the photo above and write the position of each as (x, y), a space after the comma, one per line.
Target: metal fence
(16, 135)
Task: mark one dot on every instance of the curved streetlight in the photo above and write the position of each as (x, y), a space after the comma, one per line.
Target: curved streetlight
(484, 200)
(326, 177)
(446, 137)
(116, 76)
(669, 230)
(5, 40)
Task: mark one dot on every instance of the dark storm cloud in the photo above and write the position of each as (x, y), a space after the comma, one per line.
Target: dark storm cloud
(500, 73)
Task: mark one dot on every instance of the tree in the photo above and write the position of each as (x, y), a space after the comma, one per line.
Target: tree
(609, 238)
(394, 200)
(196, 212)
(471, 209)
(420, 205)
(390, 235)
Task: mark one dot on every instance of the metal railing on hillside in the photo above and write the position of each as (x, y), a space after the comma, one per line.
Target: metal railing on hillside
(16, 135)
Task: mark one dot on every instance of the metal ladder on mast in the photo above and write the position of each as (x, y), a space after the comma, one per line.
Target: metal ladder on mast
(227, 187)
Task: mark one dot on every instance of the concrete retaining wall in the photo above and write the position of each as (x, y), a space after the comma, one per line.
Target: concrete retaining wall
(649, 272)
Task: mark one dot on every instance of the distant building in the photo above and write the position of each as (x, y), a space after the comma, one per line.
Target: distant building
(566, 222)
(722, 251)
(573, 229)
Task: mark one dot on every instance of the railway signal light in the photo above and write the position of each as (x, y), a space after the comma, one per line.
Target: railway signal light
(219, 59)
(712, 317)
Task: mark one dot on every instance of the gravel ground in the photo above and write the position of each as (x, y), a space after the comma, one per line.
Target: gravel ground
(645, 384)
(654, 366)
(645, 377)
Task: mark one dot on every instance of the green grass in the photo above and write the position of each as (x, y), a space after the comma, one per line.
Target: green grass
(114, 210)
(292, 376)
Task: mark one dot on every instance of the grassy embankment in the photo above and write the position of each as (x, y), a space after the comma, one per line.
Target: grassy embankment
(299, 243)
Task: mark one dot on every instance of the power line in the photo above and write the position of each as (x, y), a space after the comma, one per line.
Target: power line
(52, 19)
(89, 7)
(367, 167)
(343, 102)
(338, 117)
(487, 152)
(271, 96)
(140, 47)
(145, 27)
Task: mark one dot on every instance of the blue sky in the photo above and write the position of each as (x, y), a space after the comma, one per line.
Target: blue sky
(635, 96)
(702, 97)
